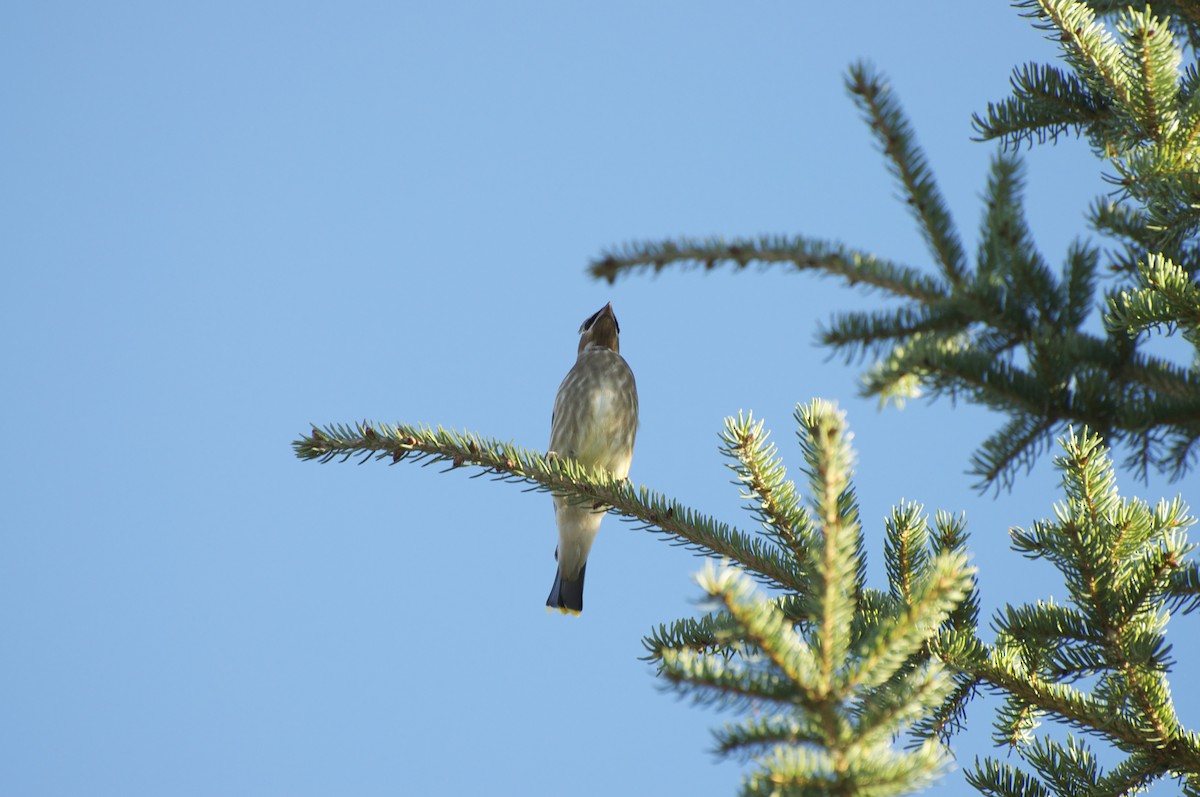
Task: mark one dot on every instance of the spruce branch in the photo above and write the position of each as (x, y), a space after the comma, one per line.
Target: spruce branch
(837, 692)
(764, 479)
(1086, 43)
(1013, 448)
(766, 629)
(1184, 590)
(909, 165)
(1128, 777)
(827, 735)
(838, 577)
(871, 773)
(901, 637)
(906, 550)
(1009, 332)
(1187, 134)
(857, 268)
(1046, 103)
(1079, 284)
(950, 717)
(1153, 60)
(1167, 298)
(716, 681)
(950, 536)
(995, 779)
(1072, 706)
(715, 633)
(878, 333)
(1138, 109)
(833, 674)
(649, 510)
(1124, 565)
(1065, 768)
(756, 736)
(1068, 641)
(905, 704)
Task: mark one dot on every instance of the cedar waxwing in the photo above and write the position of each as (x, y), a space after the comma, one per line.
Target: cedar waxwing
(594, 422)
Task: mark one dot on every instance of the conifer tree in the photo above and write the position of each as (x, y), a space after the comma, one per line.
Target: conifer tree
(857, 690)
(1007, 331)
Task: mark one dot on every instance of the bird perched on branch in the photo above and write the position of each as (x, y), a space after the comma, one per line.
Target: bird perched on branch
(595, 420)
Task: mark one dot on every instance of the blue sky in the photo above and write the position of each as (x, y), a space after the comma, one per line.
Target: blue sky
(223, 222)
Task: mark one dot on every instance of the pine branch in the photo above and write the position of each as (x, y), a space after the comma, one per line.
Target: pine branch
(649, 510)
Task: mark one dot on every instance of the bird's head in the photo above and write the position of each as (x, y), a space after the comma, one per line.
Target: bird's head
(601, 329)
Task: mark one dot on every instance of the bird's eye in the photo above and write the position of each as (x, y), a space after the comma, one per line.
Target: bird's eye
(591, 320)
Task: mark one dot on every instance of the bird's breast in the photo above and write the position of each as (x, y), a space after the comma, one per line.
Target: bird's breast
(596, 414)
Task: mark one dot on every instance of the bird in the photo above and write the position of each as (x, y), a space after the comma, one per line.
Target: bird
(594, 423)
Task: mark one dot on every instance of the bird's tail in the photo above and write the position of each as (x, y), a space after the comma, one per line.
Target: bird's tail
(567, 594)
